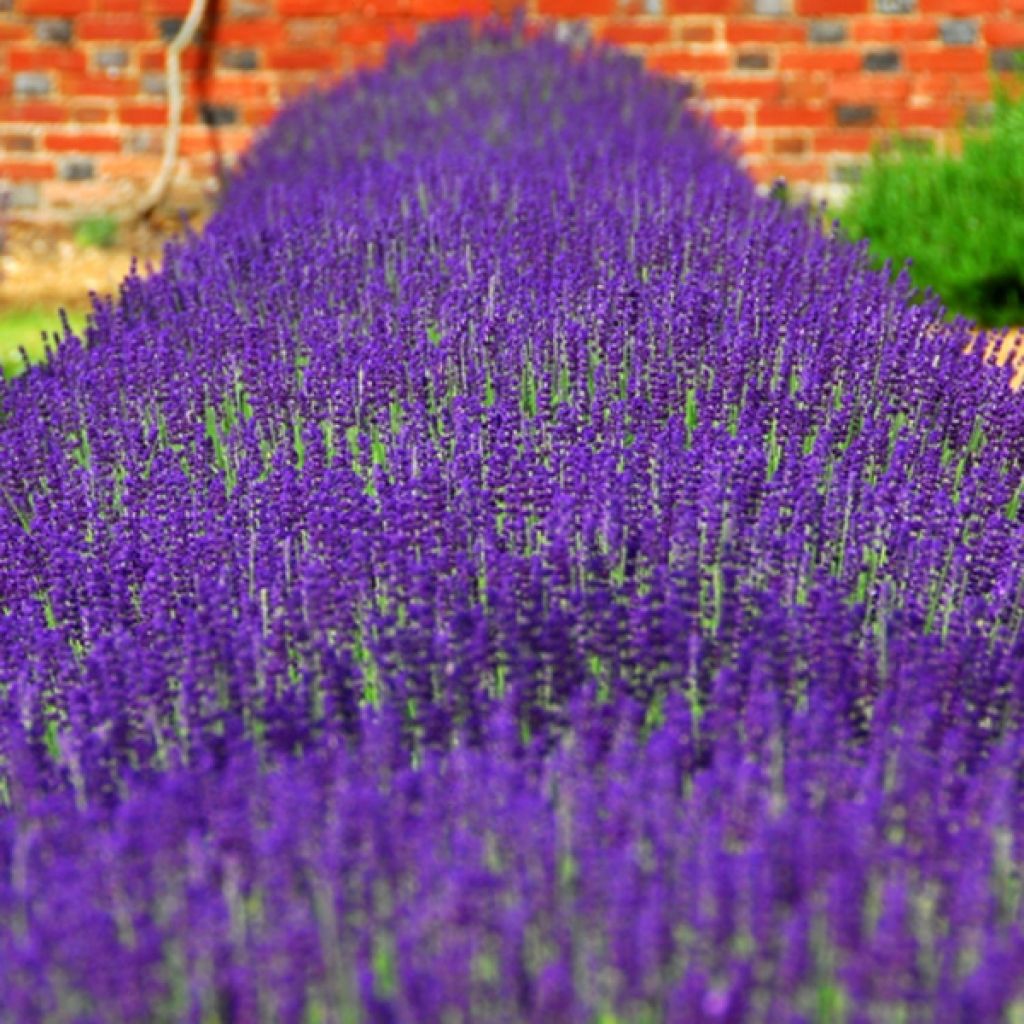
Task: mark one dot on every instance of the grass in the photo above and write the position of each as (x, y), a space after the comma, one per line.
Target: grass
(23, 329)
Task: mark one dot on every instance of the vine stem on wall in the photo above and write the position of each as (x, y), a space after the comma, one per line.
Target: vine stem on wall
(172, 133)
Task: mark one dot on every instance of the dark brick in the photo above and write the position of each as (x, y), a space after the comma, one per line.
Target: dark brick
(1001, 60)
(111, 59)
(827, 32)
(846, 173)
(959, 31)
(169, 28)
(980, 115)
(17, 143)
(848, 114)
(53, 30)
(895, 6)
(141, 142)
(154, 83)
(754, 60)
(77, 168)
(217, 114)
(240, 60)
(30, 84)
(882, 60)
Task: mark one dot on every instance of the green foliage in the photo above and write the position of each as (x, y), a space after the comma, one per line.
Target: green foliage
(960, 220)
(99, 232)
(24, 329)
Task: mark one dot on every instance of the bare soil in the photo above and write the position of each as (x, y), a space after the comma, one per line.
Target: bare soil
(44, 267)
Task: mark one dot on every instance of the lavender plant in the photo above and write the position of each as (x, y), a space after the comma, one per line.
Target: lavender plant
(505, 570)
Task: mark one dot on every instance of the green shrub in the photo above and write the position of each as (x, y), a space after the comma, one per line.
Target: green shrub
(99, 232)
(960, 220)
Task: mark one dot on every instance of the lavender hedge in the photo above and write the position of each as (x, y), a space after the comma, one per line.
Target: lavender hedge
(506, 570)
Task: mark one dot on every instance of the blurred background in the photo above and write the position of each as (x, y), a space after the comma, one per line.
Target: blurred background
(833, 98)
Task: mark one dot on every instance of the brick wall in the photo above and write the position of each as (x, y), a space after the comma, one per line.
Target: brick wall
(808, 85)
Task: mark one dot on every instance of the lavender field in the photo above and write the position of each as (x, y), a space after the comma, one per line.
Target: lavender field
(506, 570)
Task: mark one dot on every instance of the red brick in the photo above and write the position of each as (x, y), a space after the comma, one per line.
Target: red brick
(64, 142)
(304, 59)
(819, 60)
(1008, 34)
(260, 114)
(101, 85)
(960, 8)
(703, 30)
(828, 8)
(856, 89)
(311, 32)
(152, 61)
(229, 90)
(743, 89)
(45, 58)
(312, 8)
(142, 113)
(44, 113)
(844, 140)
(926, 117)
(112, 27)
(196, 141)
(973, 86)
(803, 90)
(731, 118)
(53, 8)
(365, 33)
(789, 145)
(11, 33)
(773, 115)
(634, 33)
(201, 141)
(438, 9)
(88, 113)
(574, 8)
(894, 30)
(702, 6)
(742, 31)
(687, 62)
(262, 32)
(805, 170)
(233, 140)
(26, 170)
(951, 59)
(168, 8)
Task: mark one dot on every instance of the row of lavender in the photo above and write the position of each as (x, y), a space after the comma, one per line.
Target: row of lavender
(505, 570)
